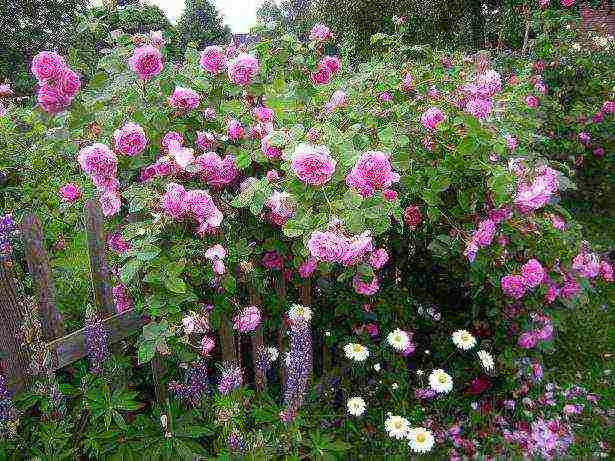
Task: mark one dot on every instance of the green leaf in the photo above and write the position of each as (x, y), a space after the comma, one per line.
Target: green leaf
(129, 270)
(146, 352)
(175, 285)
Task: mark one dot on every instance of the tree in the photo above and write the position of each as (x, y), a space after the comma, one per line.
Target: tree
(200, 23)
(31, 26)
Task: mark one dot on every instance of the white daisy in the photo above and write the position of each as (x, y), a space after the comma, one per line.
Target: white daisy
(398, 339)
(421, 439)
(272, 354)
(486, 360)
(377, 367)
(394, 386)
(298, 312)
(440, 381)
(356, 352)
(463, 339)
(397, 426)
(356, 406)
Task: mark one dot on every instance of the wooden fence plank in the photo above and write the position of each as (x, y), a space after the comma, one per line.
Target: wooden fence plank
(227, 339)
(103, 295)
(14, 353)
(71, 347)
(258, 346)
(52, 323)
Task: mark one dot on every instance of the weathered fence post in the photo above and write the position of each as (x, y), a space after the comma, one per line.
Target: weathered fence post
(14, 353)
(227, 337)
(98, 257)
(38, 264)
(258, 346)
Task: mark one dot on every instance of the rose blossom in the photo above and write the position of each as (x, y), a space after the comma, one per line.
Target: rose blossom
(371, 172)
(432, 117)
(51, 99)
(413, 216)
(117, 243)
(184, 99)
(69, 192)
(234, 130)
(110, 202)
(271, 152)
(130, 139)
(479, 107)
(513, 286)
(378, 258)
(606, 271)
(407, 82)
(243, 69)
(321, 76)
(98, 160)
(389, 195)
(213, 59)
(47, 65)
(332, 63)
(483, 235)
(532, 101)
(205, 140)
(363, 288)
(326, 246)
(355, 248)
(586, 264)
(543, 3)
(533, 273)
(338, 99)
(320, 33)
(146, 62)
(207, 345)
(272, 260)
(307, 268)
(313, 164)
(68, 82)
(247, 320)
(172, 137)
(263, 114)
(527, 340)
(608, 107)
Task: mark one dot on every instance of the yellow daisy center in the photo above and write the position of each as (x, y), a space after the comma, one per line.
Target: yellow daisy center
(421, 438)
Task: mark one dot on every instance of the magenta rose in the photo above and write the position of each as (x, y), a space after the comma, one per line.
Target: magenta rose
(513, 286)
(130, 139)
(98, 160)
(533, 273)
(332, 63)
(110, 202)
(378, 258)
(234, 130)
(243, 69)
(184, 99)
(172, 137)
(326, 246)
(365, 288)
(479, 107)
(272, 260)
(532, 101)
(321, 76)
(313, 164)
(47, 65)
(146, 62)
(307, 268)
(263, 114)
(69, 192)
(51, 99)
(213, 59)
(567, 3)
(483, 236)
(247, 320)
(372, 172)
(68, 82)
(205, 140)
(432, 117)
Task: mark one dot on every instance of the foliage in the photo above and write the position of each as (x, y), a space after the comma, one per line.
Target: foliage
(201, 25)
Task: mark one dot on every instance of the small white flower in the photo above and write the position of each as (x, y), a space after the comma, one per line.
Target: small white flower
(463, 339)
(486, 360)
(287, 359)
(327, 333)
(377, 367)
(356, 406)
(420, 372)
(427, 352)
(298, 312)
(421, 440)
(440, 381)
(398, 339)
(576, 47)
(397, 426)
(272, 354)
(394, 386)
(356, 352)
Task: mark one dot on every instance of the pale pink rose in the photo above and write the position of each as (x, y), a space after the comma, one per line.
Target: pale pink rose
(488, 83)
(261, 129)
(218, 267)
(247, 320)
(209, 113)
(536, 195)
(47, 65)
(307, 268)
(371, 172)
(170, 138)
(98, 160)
(272, 176)
(543, 3)
(586, 264)
(363, 288)
(355, 248)
(157, 38)
(207, 345)
(234, 130)
(326, 246)
(432, 117)
(205, 140)
(243, 69)
(51, 99)
(184, 99)
(513, 286)
(227, 173)
(320, 33)
(332, 63)
(105, 183)
(271, 152)
(213, 59)
(69, 192)
(130, 139)
(216, 252)
(110, 202)
(313, 164)
(281, 207)
(321, 76)
(68, 82)
(533, 273)
(146, 62)
(183, 156)
(378, 258)
(203, 209)
(338, 99)
(407, 83)
(263, 114)
(532, 101)
(571, 287)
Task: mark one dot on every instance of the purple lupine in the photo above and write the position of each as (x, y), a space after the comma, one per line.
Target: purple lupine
(235, 442)
(298, 365)
(8, 412)
(231, 379)
(7, 227)
(195, 385)
(97, 342)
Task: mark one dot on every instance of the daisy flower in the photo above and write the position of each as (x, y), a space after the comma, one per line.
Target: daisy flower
(398, 339)
(356, 352)
(397, 426)
(298, 312)
(486, 360)
(272, 354)
(463, 339)
(356, 406)
(421, 440)
(440, 381)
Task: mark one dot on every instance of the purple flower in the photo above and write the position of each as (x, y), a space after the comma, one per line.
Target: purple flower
(195, 385)
(97, 342)
(298, 365)
(231, 379)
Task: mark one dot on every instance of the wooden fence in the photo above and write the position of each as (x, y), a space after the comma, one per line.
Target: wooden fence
(61, 349)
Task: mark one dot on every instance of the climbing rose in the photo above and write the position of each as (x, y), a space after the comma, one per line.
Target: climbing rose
(247, 320)
(69, 192)
(483, 236)
(234, 130)
(47, 65)
(355, 248)
(533, 273)
(271, 152)
(172, 137)
(209, 165)
(213, 59)
(146, 62)
(532, 101)
(326, 246)
(130, 139)
(98, 160)
(263, 114)
(110, 202)
(321, 76)
(51, 99)
(68, 82)
(513, 286)
(479, 107)
(586, 264)
(332, 63)
(313, 164)
(413, 216)
(378, 258)
(226, 174)
(320, 33)
(538, 193)
(243, 69)
(184, 99)
(432, 117)
(205, 140)
(543, 3)
(174, 201)
(371, 172)
(363, 288)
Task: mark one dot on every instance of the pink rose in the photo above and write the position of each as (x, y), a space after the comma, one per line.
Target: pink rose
(130, 139)
(213, 59)
(204, 210)
(313, 164)
(69, 192)
(121, 298)
(413, 216)
(117, 243)
(271, 152)
(273, 176)
(205, 140)
(511, 142)
(51, 99)
(532, 101)
(432, 117)
(483, 236)
(538, 193)
(371, 172)
(281, 207)
(172, 137)
(586, 264)
(385, 96)
(156, 38)
(479, 107)
(533, 273)
(367, 289)
(407, 83)
(378, 258)
(98, 160)
(307, 268)
(320, 33)
(321, 76)
(68, 82)
(527, 340)
(355, 248)
(174, 201)
(543, 3)
(234, 130)
(608, 107)
(47, 65)
(247, 320)
(326, 246)
(338, 99)
(332, 63)
(272, 260)
(146, 62)
(243, 69)
(606, 271)
(513, 286)
(389, 195)
(110, 202)
(263, 114)
(184, 99)
(5, 90)
(227, 173)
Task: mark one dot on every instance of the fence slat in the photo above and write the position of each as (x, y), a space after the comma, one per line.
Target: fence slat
(14, 354)
(52, 323)
(227, 337)
(98, 257)
(258, 346)
(71, 347)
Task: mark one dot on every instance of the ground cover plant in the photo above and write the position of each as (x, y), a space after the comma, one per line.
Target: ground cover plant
(399, 221)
